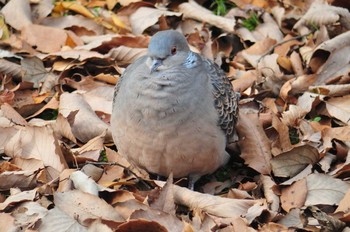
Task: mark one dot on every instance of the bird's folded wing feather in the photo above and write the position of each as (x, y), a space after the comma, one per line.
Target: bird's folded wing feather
(225, 99)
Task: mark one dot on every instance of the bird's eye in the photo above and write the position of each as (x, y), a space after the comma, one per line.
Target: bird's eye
(173, 50)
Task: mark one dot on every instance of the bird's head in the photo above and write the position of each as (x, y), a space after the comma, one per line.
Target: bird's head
(167, 48)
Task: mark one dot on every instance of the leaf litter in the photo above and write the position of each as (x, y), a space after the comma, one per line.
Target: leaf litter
(290, 166)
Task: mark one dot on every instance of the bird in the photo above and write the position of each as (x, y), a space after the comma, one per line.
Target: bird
(174, 111)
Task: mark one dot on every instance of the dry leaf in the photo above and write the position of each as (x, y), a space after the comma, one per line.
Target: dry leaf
(325, 190)
(193, 10)
(214, 205)
(87, 206)
(35, 147)
(7, 222)
(321, 13)
(18, 197)
(271, 198)
(17, 13)
(126, 55)
(45, 39)
(86, 116)
(290, 163)
(331, 59)
(256, 147)
(145, 17)
(338, 107)
(58, 220)
(17, 179)
(141, 225)
(29, 213)
(294, 196)
(10, 68)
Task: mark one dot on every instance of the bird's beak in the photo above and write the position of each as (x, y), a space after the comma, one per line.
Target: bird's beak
(155, 64)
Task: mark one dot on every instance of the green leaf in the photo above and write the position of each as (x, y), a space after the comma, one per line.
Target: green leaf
(103, 156)
(220, 7)
(251, 23)
(316, 119)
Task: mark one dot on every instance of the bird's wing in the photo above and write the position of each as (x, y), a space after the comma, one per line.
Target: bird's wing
(225, 99)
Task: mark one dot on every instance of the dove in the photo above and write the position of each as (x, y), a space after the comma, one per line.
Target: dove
(174, 111)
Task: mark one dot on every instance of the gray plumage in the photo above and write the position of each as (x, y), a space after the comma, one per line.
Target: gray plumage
(174, 110)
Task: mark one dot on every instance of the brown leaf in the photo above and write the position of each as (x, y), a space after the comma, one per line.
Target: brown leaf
(29, 213)
(36, 147)
(344, 204)
(294, 196)
(10, 68)
(214, 205)
(58, 220)
(321, 13)
(331, 60)
(245, 81)
(271, 198)
(145, 17)
(71, 21)
(255, 146)
(13, 115)
(338, 107)
(170, 222)
(18, 179)
(76, 7)
(126, 55)
(18, 197)
(339, 133)
(7, 222)
(284, 143)
(290, 163)
(165, 201)
(42, 9)
(141, 225)
(324, 189)
(256, 51)
(73, 101)
(193, 10)
(78, 204)
(17, 14)
(92, 149)
(45, 39)
(331, 90)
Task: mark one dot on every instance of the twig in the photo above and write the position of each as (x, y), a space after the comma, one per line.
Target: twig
(283, 42)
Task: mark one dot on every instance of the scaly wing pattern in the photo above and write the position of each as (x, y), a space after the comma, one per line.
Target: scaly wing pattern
(225, 99)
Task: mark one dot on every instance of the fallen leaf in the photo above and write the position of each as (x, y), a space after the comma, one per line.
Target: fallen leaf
(29, 213)
(214, 205)
(290, 163)
(17, 179)
(321, 13)
(73, 101)
(58, 220)
(145, 17)
(338, 108)
(79, 203)
(17, 14)
(324, 189)
(46, 39)
(18, 197)
(35, 147)
(141, 225)
(294, 196)
(256, 147)
(193, 10)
